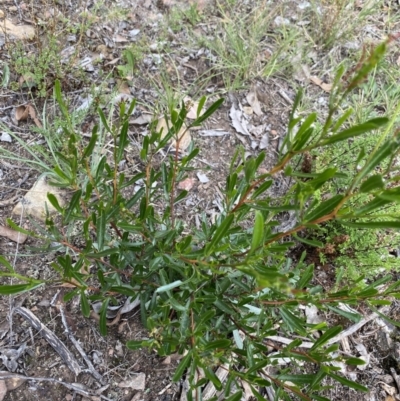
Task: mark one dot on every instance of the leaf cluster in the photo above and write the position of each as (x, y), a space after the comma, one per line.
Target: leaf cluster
(216, 294)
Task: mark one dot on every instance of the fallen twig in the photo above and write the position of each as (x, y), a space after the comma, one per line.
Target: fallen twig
(92, 369)
(396, 378)
(77, 387)
(51, 338)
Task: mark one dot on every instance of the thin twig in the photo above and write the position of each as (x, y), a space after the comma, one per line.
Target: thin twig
(92, 369)
(77, 387)
(51, 338)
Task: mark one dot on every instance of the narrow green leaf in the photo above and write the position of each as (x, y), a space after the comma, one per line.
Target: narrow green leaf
(292, 321)
(311, 242)
(355, 317)
(181, 196)
(208, 112)
(54, 202)
(258, 231)
(372, 183)
(392, 195)
(375, 204)
(342, 119)
(360, 129)
(182, 367)
(380, 302)
(323, 209)
(304, 133)
(388, 319)
(60, 100)
(256, 394)
(169, 286)
(299, 380)
(176, 305)
(217, 344)
(250, 170)
(322, 178)
(259, 159)
(305, 277)
(235, 397)
(6, 75)
(6, 263)
(133, 103)
(74, 202)
(101, 229)
(85, 307)
(102, 254)
(123, 141)
(354, 361)
(348, 383)
(367, 293)
(296, 102)
(103, 317)
(261, 189)
(213, 378)
(104, 120)
(220, 232)
(373, 224)
(202, 101)
(381, 154)
(134, 344)
(330, 333)
(16, 227)
(124, 289)
(131, 202)
(92, 143)
(17, 288)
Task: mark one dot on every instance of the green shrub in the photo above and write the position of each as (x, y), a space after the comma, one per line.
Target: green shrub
(215, 293)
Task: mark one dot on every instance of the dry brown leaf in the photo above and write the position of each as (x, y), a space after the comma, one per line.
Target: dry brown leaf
(33, 116)
(326, 87)
(253, 102)
(112, 62)
(184, 137)
(123, 87)
(14, 236)
(21, 113)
